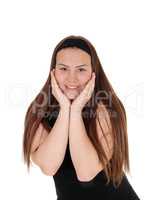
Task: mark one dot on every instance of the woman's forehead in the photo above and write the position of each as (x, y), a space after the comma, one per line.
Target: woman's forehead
(75, 56)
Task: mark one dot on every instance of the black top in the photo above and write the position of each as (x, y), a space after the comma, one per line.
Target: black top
(68, 187)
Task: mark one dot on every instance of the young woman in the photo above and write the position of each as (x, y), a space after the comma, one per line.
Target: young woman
(76, 128)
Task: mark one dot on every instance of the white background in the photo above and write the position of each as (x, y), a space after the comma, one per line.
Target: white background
(29, 31)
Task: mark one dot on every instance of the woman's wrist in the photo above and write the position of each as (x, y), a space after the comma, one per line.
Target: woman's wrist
(76, 110)
(65, 109)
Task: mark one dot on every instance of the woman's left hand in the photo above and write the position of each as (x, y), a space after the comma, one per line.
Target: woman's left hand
(84, 96)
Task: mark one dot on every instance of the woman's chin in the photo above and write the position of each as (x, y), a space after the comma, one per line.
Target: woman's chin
(71, 97)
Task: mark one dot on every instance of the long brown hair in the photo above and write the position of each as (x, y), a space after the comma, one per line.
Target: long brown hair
(41, 108)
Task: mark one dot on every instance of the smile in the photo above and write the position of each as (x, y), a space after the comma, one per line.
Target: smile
(71, 87)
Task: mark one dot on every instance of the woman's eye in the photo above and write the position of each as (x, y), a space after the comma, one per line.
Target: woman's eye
(82, 69)
(63, 68)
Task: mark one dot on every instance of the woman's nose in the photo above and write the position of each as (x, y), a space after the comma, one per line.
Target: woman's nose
(72, 78)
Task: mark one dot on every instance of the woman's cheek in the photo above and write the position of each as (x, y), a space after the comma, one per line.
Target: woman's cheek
(85, 81)
(59, 82)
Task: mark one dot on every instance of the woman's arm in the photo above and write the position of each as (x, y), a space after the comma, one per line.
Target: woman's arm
(83, 153)
(51, 151)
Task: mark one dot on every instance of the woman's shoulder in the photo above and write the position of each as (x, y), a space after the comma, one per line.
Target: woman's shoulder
(102, 109)
(103, 114)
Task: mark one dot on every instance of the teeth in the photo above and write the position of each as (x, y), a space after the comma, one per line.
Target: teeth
(71, 87)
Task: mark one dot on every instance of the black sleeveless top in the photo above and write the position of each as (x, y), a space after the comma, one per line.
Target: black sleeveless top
(68, 187)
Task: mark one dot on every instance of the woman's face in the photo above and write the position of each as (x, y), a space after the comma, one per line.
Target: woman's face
(72, 71)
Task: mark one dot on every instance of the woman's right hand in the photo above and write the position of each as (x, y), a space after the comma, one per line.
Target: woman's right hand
(64, 102)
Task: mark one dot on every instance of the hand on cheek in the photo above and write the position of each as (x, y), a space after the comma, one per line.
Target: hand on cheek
(85, 95)
(57, 93)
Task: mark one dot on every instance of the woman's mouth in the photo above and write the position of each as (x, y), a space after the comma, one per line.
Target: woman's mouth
(72, 87)
(72, 91)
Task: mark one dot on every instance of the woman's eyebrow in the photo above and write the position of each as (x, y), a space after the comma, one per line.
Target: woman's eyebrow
(83, 65)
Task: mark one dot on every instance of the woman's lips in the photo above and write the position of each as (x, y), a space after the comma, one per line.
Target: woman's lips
(71, 87)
